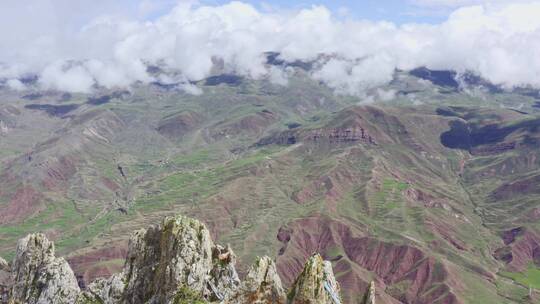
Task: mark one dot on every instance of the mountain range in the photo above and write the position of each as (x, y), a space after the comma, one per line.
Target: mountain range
(427, 186)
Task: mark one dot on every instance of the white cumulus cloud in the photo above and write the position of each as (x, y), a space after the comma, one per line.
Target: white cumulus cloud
(111, 43)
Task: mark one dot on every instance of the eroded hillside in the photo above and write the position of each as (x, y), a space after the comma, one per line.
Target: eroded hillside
(435, 203)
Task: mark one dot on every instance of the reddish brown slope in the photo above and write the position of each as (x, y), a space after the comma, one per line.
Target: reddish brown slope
(406, 273)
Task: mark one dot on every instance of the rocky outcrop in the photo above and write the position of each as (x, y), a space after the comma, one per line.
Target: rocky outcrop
(175, 262)
(316, 284)
(160, 259)
(4, 128)
(170, 263)
(38, 276)
(370, 294)
(222, 281)
(104, 291)
(326, 135)
(4, 280)
(262, 285)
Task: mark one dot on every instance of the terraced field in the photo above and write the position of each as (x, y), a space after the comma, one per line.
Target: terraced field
(438, 203)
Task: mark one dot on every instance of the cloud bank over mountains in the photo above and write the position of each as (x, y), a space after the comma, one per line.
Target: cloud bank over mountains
(74, 53)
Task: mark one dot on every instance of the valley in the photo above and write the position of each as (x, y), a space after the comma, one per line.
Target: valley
(433, 195)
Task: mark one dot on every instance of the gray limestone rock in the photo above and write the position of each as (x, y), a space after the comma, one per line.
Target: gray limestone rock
(222, 281)
(104, 291)
(160, 260)
(175, 262)
(38, 276)
(262, 285)
(370, 295)
(316, 284)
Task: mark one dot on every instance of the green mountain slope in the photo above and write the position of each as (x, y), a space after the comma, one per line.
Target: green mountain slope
(438, 202)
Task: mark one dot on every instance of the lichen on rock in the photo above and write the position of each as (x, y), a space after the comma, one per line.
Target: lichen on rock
(262, 285)
(185, 295)
(163, 258)
(5, 280)
(170, 263)
(175, 262)
(104, 291)
(222, 280)
(38, 276)
(3, 264)
(316, 284)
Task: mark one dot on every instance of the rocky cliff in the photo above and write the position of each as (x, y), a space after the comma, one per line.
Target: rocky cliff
(316, 282)
(38, 277)
(175, 262)
(4, 280)
(325, 135)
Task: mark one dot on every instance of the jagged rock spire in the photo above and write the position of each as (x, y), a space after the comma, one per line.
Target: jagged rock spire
(178, 257)
(178, 253)
(173, 263)
(4, 280)
(262, 285)
(222, 281)
(38, 276)
(369, 298)
(316, 284)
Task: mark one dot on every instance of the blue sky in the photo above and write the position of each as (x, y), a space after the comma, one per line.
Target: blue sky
(391, 10)
(397, 11)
